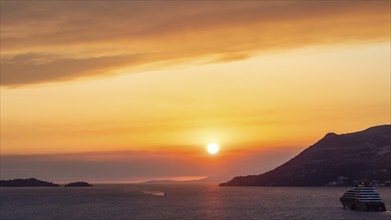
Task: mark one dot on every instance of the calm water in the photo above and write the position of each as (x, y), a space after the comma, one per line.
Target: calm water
(183, 201)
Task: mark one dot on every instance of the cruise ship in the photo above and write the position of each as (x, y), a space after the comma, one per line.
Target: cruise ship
(363, 198)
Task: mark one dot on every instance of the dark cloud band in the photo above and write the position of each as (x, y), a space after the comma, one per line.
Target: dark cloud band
(85, 39)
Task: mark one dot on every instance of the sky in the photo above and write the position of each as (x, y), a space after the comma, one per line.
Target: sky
(127, 91)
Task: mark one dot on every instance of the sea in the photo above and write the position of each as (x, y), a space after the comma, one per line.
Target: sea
(181, 201)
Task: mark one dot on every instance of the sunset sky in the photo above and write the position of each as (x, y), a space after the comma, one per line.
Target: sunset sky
(128, 91)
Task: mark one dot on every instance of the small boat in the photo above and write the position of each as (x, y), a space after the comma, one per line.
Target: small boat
(155, 193)
(363, 198)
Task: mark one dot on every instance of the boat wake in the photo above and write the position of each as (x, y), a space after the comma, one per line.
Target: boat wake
(155, 193)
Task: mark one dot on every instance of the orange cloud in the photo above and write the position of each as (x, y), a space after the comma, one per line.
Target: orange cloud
(56, 41)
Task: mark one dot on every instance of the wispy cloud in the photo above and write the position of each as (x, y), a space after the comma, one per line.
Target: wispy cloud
(35, 68)
(56, 41)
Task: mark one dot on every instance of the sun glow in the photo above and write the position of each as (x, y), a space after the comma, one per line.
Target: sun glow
(213, 148)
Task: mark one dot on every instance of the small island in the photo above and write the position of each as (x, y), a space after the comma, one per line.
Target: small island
(78, 184)
(31, 182)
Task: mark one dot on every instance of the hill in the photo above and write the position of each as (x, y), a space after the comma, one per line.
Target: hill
(333, 160)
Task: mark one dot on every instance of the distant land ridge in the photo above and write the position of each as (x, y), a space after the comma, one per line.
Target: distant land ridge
(334, 160)
(31, 182)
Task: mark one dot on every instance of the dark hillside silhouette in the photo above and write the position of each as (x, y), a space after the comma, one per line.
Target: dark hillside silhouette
(333, 160)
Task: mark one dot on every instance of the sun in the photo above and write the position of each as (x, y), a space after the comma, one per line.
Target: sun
(213, 148)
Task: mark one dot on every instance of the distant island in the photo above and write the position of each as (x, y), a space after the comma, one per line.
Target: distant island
(335, 160)
(31, 182)
(204, 180)
(161, 182)
(78, 184)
